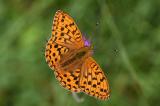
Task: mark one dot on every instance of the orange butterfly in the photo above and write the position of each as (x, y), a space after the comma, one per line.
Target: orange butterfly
(70, 56)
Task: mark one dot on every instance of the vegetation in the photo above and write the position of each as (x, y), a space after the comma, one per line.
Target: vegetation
(126, 39)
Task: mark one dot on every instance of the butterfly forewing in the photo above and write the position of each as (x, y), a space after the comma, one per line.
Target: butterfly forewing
(53, 53)
(66, 31)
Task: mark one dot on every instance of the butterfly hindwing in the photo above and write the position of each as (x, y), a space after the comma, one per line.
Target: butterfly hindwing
(93, 81)
(69, 81)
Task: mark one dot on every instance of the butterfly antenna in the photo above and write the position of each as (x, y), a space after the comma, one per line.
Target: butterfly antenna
(77, 98)
(96, 28)
(95, 33)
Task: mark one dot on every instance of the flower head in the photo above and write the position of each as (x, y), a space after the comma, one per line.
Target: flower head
(86, 42)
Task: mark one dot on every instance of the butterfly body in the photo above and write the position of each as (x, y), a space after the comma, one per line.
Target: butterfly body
(70, 56)
(74, 58)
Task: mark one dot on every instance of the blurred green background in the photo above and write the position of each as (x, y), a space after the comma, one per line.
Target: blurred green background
(126, 39)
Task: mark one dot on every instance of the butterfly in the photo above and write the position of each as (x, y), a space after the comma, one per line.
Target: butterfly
(69, 54)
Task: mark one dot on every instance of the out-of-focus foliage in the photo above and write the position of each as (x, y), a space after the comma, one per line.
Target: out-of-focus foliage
(126, 39)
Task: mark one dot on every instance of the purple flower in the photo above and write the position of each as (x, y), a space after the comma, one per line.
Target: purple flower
(86, 42)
